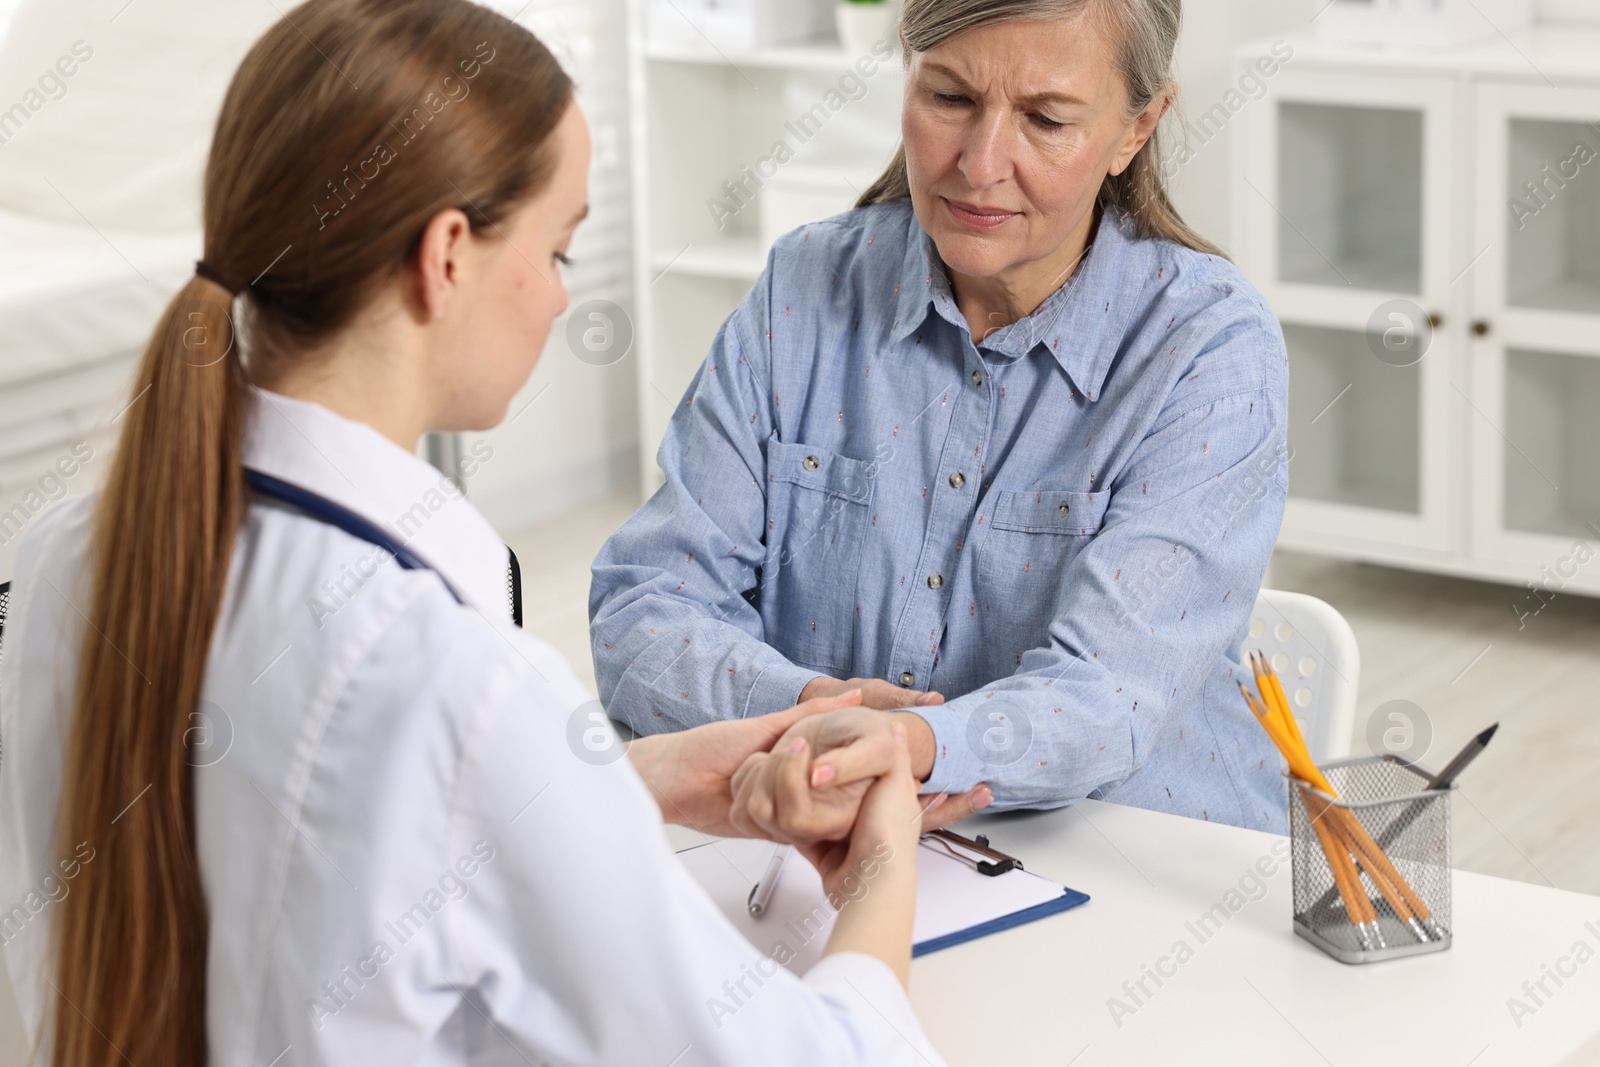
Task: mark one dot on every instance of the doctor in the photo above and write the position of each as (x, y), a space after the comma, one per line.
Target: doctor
(1004, 446)
(282, 789)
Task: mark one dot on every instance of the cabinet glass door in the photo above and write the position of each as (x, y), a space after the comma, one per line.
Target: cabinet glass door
(1350, 193)
(1344, 215)
(1536, 359)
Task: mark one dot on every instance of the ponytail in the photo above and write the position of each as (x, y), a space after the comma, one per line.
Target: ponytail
(131, 948)
(298, 200)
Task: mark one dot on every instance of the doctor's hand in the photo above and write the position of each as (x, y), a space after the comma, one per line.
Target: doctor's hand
(810, 787)
(690, 773)
(885, 832)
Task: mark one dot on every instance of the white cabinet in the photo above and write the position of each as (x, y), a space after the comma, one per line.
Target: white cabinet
(1444, 386)
(1347, 198)
(723, 138)
(1537, 293)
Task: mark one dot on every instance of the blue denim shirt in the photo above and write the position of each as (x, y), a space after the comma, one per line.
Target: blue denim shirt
(1062, 527)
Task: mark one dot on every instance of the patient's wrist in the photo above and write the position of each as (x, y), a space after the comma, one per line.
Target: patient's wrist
(820, 686)
(920, 739)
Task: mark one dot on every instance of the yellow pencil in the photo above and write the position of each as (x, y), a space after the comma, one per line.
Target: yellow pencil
(1349, 839)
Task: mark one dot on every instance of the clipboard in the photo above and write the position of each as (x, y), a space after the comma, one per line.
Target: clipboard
(957, 901)
(977, 891)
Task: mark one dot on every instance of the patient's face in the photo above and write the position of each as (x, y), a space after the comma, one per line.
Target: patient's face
(1009, 131)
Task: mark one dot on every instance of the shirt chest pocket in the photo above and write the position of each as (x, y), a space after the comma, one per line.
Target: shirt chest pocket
(1033, 535)
(818, 505)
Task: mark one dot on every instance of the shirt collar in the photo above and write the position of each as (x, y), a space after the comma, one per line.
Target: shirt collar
(352, 464)
(1081, 324)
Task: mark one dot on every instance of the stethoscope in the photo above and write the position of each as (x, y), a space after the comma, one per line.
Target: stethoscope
(324, 510)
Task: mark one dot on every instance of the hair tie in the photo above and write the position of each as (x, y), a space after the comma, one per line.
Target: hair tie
(211, 273)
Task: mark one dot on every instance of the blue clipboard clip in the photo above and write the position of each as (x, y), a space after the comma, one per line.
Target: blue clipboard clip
(974, 852)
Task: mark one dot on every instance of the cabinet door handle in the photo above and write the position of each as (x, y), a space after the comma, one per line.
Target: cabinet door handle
(1480, 327)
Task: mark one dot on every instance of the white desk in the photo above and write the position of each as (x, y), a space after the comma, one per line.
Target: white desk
(1253, 992)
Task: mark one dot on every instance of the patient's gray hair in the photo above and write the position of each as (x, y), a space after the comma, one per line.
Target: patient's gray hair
(1146, 32)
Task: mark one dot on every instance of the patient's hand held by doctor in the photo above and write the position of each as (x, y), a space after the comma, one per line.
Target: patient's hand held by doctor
(786, 798)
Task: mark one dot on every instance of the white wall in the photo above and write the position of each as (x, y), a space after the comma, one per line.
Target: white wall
(1568, 11)
(572, 433)
(1212, 30)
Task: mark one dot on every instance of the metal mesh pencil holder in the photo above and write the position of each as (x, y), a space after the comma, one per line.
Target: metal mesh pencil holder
(1388, 796)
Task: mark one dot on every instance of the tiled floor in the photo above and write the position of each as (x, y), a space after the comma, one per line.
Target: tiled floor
(1528, 809)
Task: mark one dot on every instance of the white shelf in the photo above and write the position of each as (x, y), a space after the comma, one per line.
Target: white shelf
(732, 258)
(1577, 296)
(711, 191)
(825, 56)
(1529, 55)
(1552, 331)
(1551, 484)
(1553, 222)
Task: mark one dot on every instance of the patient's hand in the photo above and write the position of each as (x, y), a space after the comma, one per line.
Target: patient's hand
(691, 772)
(875, 692)
(819, 800)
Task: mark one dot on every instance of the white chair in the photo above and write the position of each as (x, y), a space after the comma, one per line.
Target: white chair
(1313, 649)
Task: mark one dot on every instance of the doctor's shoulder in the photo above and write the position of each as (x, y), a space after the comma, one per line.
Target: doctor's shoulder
(452, 657)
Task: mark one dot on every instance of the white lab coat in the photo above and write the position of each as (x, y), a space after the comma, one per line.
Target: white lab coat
(404, 858)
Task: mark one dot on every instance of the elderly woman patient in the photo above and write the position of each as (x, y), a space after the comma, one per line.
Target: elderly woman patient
(1004, 445)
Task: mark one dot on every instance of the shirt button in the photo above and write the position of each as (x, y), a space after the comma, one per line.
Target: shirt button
(957, 480)
(1063, 509)
(977, 377)
(907, 679)
(935, 581)
(809, 463)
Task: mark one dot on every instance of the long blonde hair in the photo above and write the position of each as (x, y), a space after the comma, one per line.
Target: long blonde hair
(348, 126)
(1147, 31)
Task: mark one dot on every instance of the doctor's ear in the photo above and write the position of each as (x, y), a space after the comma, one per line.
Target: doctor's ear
(437, 268)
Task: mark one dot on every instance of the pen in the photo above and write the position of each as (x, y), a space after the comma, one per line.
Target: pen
(1446, 778)
(761, 892)
(1443, 780)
